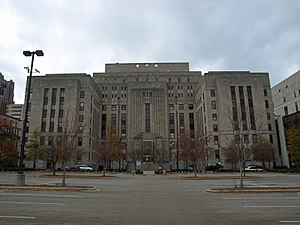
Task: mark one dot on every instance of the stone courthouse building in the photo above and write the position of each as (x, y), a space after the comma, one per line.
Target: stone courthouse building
(150, 104)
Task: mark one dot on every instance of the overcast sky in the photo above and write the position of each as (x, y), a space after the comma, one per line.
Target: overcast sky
(84, 35)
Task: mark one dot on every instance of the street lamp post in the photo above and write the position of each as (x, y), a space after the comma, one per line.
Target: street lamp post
(20, 181)
(177, 137)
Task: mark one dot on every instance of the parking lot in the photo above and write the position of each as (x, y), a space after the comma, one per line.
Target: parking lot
(161, 199)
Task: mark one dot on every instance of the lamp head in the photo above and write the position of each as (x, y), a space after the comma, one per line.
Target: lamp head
(27, 53)
(39, 52)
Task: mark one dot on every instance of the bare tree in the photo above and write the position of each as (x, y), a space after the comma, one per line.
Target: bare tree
(263, 151)
(194, 148)
(231, 155)
(109, 149)
(161, 154)
(33, 148)
(63, 146)
(135, 155)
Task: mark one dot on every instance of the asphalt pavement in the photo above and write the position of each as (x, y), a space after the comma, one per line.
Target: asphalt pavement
(124, 199)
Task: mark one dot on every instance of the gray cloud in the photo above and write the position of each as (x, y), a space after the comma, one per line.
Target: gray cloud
(83, 35)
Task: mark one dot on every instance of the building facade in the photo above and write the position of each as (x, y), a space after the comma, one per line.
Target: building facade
(286, 98)
(15, 110)
(286, 95)
(150, 105)
(6, 93)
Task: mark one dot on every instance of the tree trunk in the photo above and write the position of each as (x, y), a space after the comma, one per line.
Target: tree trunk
(241, 175)
(53, 168)
(104, 168)
(195, 170)
(64, 174)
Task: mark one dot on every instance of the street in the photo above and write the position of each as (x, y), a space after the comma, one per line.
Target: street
(154, 200)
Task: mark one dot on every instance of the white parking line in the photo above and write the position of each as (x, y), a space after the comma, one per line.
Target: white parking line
(18, 217)
(36, 195)
(32, 203)
(272, 206)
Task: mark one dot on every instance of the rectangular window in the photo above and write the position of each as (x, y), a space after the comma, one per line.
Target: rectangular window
(46, 92)
(214, 117)
(81, 94)
(212, 93)
(123, 107)
(43, 127)
(171, 106)
(216, 140)
(79, 141)
(114, 122)
(234, 108)
(213, 105)
(147, 117)
(59, 127)
(286, 111)
(53, 100)
(80, 129)
(267, 104)
(215, 127)
(268, 116)
(243, 108)
(52, 113)
(44, 114)
(104, 107)
(103, 126)
(51, 127)
(60, 113)
(191, 106)
(269, 127)
(81, 106)
(296, 106)
(172, 125)
(181, 120)
(123, 125)
(113, 107)
(265, 93)
(81, 118)
(192, 124)
(251, 108)
(181, 106)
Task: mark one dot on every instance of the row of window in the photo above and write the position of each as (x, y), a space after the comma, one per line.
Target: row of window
(114, 107)
(180, 107)
(180, 87)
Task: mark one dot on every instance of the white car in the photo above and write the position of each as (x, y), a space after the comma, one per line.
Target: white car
(84, 168)
(253, 169)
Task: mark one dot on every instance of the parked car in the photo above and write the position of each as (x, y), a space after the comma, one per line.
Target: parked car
(253, 169)
(84, 168)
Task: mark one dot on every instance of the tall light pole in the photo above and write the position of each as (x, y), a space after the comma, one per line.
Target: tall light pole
(21, 176)
(177, 137)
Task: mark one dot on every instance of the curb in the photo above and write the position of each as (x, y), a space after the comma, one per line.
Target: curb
(48, 188)
(254, 190)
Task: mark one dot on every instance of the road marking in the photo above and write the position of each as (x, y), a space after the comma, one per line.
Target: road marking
(289, 221)
(286, 198)
(36, 195)
(32, 203)
(272, 206)
(18, 217)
